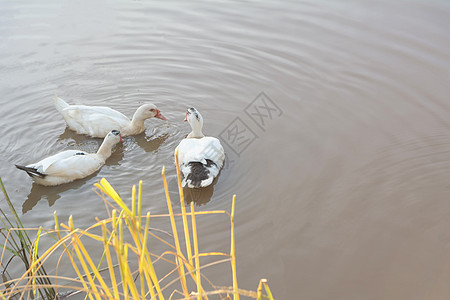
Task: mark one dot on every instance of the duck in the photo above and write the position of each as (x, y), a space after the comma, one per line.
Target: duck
(200, 157)
(70, 165)
(97, 121)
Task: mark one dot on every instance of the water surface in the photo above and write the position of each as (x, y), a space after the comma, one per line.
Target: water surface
(342, 192)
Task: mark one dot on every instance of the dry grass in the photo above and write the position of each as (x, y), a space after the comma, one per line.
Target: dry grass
(127, 269)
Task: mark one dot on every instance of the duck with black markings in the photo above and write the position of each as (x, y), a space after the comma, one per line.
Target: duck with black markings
(200, 157)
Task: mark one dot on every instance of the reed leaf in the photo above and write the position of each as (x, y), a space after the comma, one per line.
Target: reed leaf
(180, 265)
(33, 260)
(107, 252)
(125, 234)
(233, 252)
(21, 245)
(183, 211)
(197, 259)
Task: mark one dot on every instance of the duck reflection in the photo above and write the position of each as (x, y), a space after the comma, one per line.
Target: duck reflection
(117, 155)
(149, 143)
(200, 196)
(71, 135)
(51, 193)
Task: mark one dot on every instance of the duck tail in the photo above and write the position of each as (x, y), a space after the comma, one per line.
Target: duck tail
(32, 172)
(60, 104)
(197, 174)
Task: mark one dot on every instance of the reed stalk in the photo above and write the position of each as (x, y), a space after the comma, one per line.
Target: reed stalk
(180, 257)
(183, 211)
(21, 246)
(127, 235)
(233, 252)
(197, 258)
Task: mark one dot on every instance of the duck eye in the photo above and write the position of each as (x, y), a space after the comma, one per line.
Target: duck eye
(152, 110)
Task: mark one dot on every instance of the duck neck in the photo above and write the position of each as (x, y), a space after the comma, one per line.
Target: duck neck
(105, 150)
(137, 124)
(196, 132)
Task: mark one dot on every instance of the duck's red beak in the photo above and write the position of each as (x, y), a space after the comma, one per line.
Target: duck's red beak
(121, 138)
(160, 116)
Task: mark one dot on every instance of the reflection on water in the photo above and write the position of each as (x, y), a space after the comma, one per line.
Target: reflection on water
(116, 156)
(70, 135)
(51, 193)
(199, 196)
(343, 197)
(149, 143)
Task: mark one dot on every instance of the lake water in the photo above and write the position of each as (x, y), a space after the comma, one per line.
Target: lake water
(335, 116)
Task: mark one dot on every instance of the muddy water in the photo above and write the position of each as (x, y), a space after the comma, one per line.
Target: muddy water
(334, 117)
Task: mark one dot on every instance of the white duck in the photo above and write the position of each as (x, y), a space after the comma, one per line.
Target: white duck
(200, 157)
(70, 165)
(97, 121)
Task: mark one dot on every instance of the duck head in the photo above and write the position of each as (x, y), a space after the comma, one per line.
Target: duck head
(111, 139)
(114, 134)
(195, 119)
(147, 111)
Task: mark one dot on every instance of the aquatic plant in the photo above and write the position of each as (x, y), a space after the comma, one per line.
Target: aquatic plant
(19, 245)
(127, 268)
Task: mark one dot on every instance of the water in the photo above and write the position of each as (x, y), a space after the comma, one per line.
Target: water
(343, 191)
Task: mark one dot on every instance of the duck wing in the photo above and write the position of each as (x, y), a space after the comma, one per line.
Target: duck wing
(78, 165)
(96, 121)
(41, 168)
(200, 150)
